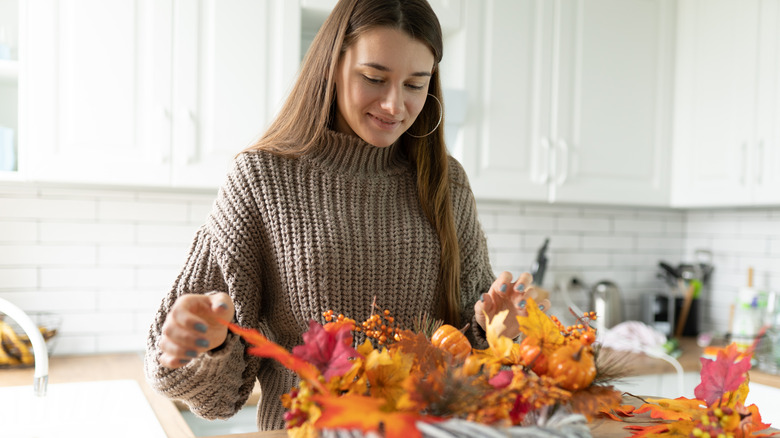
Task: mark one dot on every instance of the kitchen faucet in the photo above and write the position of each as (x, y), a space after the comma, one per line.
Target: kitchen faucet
(40, 352)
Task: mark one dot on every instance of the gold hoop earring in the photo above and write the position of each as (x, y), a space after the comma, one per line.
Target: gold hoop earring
(441, 115)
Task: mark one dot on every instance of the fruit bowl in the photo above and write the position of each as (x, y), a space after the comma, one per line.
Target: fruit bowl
(15, 346)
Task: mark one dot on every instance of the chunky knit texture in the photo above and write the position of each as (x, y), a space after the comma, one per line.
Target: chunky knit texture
(289, 238)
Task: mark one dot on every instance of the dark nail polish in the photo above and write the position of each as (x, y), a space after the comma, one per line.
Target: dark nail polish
(223, 306)
(482, 298)
(184, 361)
(202, 343)
(520, 287)
(541, 307)
(503, 288)
(521, 304)
(201, 327)
(191, 353)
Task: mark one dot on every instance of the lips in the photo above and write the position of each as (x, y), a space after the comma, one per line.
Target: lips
(383, 122)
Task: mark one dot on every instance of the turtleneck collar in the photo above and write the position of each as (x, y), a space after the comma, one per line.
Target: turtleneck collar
(347, 153)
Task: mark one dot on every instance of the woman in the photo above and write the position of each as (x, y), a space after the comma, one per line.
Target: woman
(350, 196)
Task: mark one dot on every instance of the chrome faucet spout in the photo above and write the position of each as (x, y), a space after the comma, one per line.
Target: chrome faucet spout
(41, 376)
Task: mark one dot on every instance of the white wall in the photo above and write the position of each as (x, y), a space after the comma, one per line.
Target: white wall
(103, 258)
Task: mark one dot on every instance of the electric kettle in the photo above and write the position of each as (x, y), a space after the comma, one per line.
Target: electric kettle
(606, 301)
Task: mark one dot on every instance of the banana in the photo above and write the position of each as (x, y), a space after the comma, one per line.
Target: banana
(14, 346)
(5, 358)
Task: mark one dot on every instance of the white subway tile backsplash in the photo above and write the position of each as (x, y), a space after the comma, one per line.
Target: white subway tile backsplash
(502, 241)
(86, 277)
(126, 299)
(148, 255)
(166, 233)
(18, 278)
(584, 224)
(105, 258)
(140, 211)
(56, 255)
(632, 225)
(18, 231)
(53, 301)
(622, 243)
(86, 232)
(66, 345)
(121, 343)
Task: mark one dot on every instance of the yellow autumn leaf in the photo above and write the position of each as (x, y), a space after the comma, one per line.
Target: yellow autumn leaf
(386, 373)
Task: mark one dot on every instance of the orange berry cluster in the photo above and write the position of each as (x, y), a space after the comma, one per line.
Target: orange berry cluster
(581, 330)
(340, 318)
(380, 326)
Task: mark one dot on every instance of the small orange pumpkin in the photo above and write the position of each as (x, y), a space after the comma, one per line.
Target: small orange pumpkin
(451, 340)
(531, 355)
(573, 365)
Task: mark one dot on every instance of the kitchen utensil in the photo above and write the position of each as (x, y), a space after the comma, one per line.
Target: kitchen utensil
(540, 264)
(686, 307)
(606, 301)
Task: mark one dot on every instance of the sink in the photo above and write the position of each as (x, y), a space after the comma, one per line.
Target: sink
(115, 408)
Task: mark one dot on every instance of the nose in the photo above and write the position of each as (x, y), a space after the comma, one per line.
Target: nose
(393, 100)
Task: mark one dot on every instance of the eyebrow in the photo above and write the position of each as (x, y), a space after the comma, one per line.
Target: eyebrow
(384, 68)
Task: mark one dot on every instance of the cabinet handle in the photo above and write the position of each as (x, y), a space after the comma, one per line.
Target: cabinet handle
(743, 177)
(192, 140)
(564, 174)
(760, 161)
(544, 178)
(165, 150)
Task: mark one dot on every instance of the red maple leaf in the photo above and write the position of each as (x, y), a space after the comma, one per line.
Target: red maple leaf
(721, 375)
(329, 352)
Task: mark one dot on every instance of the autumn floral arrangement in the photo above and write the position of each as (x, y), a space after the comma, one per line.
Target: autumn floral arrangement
(718, 410)
(400, 380)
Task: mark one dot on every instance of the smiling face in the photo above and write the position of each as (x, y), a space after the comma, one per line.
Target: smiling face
(381, 85)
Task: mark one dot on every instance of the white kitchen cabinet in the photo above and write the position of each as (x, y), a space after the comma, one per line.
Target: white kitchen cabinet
(727, 138)
(159, 92)
(569, 100)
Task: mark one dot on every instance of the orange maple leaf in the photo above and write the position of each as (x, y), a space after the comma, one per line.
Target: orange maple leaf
(680, 408)
(647, 431)
(263, 347)
(363, 413)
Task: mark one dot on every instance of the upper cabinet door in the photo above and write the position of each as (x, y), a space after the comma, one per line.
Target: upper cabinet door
(507, 69)
(612, 101)
(719, 48)
(86, 78)
(570, 100)
(767, 157)
(219, 96)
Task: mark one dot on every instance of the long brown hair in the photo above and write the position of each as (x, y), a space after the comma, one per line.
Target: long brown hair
(297, 127)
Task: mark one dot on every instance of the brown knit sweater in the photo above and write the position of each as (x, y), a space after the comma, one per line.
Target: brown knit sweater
(289, 239)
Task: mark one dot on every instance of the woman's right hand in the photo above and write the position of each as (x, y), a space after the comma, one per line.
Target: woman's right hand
(191, 327)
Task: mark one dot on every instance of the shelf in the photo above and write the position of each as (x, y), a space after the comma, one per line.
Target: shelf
(9, 70)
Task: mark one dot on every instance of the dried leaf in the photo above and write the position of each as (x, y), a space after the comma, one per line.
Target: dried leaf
(722, 375)
(680, 408)
(593, 399)
(353, 412)
(265, 348)
(538, 325)
(330, 352)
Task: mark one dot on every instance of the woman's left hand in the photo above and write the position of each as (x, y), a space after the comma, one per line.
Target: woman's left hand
(512, 296)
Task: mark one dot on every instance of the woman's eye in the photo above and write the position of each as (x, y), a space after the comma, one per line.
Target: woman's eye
(372, 80)
(415, 87)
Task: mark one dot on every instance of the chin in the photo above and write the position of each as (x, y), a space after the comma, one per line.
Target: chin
(380, 141)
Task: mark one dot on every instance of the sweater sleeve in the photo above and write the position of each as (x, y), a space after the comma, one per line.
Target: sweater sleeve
(221, 258)
(476, 272)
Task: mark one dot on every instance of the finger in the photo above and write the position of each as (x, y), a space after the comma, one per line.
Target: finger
(222, 306)
(503, 283)
(174, 355)
(190, 312)
(190, 338)
(524, 281)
